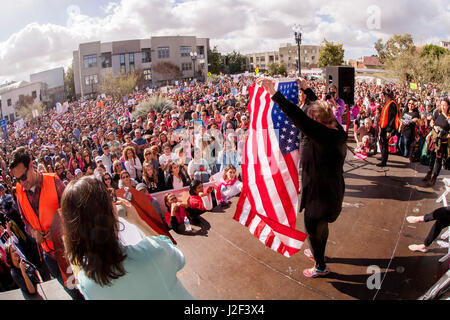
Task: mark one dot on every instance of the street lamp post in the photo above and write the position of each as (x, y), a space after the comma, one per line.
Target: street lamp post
(194, 58)
(298, 38)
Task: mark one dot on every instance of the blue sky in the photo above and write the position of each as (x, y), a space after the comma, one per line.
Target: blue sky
(36, 35)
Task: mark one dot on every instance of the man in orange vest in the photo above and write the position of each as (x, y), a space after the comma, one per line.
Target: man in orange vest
(38, 198)
(389, 124)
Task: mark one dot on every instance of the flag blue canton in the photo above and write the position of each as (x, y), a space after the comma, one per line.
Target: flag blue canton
(287, 131)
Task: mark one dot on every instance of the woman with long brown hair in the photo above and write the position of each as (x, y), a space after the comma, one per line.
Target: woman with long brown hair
(150, 178)
(132, 163)
(109, 269)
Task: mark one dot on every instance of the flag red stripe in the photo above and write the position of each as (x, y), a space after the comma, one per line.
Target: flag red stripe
(278, 180)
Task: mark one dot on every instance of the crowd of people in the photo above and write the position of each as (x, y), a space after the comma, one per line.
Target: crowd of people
(201, 135)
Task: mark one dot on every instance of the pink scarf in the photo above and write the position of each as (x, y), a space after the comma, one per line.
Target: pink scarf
(223, 183)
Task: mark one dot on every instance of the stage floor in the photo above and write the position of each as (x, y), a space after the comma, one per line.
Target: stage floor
(225, 261)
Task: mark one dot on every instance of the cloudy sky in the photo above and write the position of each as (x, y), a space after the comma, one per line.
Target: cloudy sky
(37, 35)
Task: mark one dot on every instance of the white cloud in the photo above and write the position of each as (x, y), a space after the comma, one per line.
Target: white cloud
(241, 25)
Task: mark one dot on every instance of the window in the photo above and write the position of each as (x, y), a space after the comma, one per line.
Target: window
(186, 66)
(34, 94)
(163, 52)
(251, 59)
(131, 60)
(201, 50)
(122, 64)
(148, 74)
(263, 59)
(90, 61)
(106, 60)
(88, 80)
(146, 57)
(185, 50)
(9, 102)
(313, 57)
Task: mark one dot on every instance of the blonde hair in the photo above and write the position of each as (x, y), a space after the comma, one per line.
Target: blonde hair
(322, 112)
(125, 151)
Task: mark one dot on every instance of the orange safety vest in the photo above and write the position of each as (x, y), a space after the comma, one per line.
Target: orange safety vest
(48, 204)
(384, 119)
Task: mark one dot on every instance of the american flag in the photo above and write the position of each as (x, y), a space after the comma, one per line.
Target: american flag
(269, 203)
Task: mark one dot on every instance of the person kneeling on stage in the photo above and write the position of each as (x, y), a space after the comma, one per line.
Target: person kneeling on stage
(322, 163)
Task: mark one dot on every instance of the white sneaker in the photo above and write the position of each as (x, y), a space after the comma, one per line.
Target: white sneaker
(417, 247)
(414, 219)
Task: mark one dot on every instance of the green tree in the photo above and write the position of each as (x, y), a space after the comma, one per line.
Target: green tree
(235, 62)
(156, 103)
(69, 83)
(215, 61)
(394, 47)
(434, 51)
(118, 86)
(277, 69)
(422, 66)
(331, 55)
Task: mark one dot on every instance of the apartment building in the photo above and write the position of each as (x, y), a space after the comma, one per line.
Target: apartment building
(10, 95)
(54, 78)
(286, 55)
(309, 56)
(94, 59)
(262, 60)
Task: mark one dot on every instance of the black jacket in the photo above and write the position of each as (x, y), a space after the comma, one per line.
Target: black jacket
(323, 159)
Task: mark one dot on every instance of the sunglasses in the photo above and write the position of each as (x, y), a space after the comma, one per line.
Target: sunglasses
(106, 179)
(22, 177)
(125, 177)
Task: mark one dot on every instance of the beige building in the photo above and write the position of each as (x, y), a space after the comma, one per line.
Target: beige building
(10, 94)
(309, 56)
(286, 55)
(94, 59)
(262, 60)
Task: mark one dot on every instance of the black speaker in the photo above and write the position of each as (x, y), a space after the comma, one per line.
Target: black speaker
(344, 79)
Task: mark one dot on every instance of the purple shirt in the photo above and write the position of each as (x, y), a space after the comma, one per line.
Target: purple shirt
(339, 111)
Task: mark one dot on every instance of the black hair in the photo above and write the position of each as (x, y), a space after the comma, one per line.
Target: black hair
(194, 184)
(20, 155)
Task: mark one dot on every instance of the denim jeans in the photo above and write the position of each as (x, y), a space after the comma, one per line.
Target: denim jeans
(52, 266)
(404, 145)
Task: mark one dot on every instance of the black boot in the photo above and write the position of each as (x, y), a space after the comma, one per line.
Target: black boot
(428, 176)
(432, 181)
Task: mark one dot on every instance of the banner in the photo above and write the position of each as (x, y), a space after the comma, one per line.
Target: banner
(19, 124)
(57, 126)
(413, 85)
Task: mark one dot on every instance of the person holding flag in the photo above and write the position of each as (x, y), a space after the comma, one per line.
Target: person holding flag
(322, 160)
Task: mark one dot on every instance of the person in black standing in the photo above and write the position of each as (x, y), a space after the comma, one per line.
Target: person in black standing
(437, 144)
(307, 99)
(323, 183)
(389, 124)
(408, 127)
